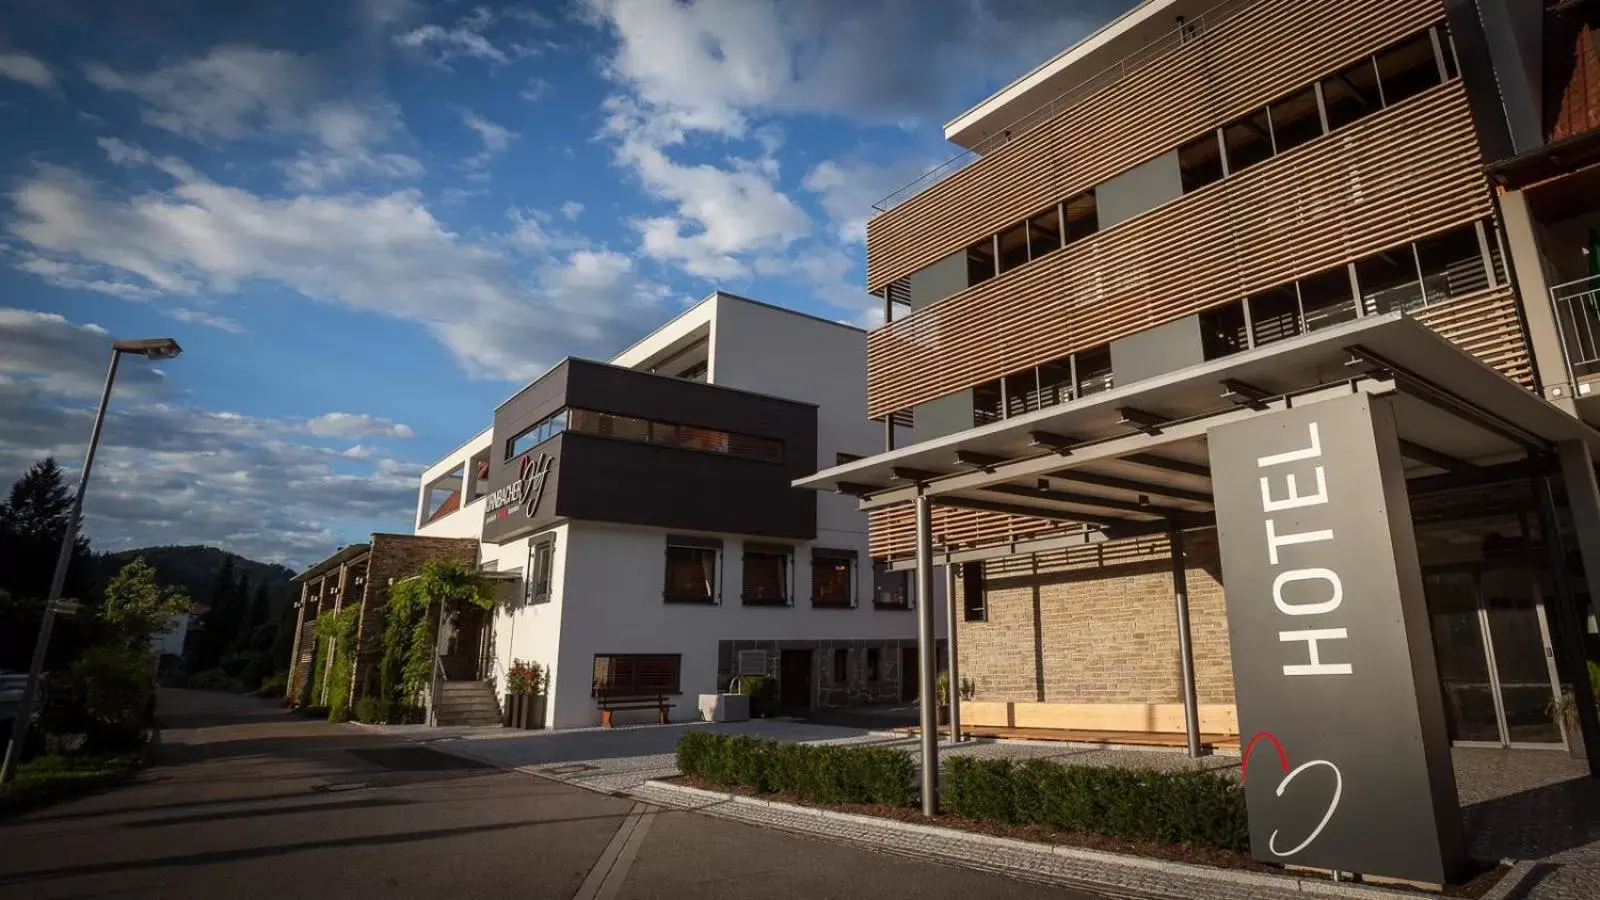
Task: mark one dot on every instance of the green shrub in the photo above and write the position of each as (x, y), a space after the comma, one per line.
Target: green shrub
(815, 774)
(274, 685)
(372, 710)
(1594, 677)
(763, 693)
(109, 698)
(1170, 807)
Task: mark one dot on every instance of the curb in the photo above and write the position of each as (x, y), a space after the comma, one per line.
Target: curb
(1226, 882)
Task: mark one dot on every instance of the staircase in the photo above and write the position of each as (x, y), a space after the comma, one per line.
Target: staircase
(467, 703)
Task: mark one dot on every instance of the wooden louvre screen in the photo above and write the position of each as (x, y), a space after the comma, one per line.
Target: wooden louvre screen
(1255, 54)
(1409, 171)
(636, 674)
(766, 577)
(892, 532)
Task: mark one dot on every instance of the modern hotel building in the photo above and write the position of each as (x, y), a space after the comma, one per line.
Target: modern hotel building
(641, 514)
(1248, 348)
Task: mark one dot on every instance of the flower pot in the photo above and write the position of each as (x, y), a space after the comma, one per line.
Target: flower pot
(524, 711)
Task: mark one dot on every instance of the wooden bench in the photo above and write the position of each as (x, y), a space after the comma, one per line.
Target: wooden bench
(610, 703)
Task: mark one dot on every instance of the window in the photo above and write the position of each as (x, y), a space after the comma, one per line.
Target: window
(479, 467)
(841, 666)
(1452, 265)
(1222, 331)
(1044, 232)
(1326, 299)
(691, 570)
(696, 372)
(1275, 315)
(1200, 162)
(1407, 69)
(541, 569)
(840, 459)
(636, 674)
(1389, 281)
(873, 670)
(1094, 370)
(683, 437)
(833, 581)
(1295, 120)
(766, 575)
(1082, 215)
(980, 262)
(1022, 392)
(442, 496)
(536, 434)
(890, 590)
(973, 608)
(1247, 141)
(1351, 94)
(986, 406)
(1055, 382)
(1013, 243)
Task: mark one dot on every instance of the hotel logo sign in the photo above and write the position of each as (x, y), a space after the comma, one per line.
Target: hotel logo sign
(524, 493)
(1346, 760)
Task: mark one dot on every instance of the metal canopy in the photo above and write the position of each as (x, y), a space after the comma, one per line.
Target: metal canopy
(1134, 459)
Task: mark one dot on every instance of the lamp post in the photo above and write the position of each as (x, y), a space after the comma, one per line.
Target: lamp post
(151, 348)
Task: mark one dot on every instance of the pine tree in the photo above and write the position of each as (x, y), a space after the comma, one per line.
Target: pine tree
(33, 520)
(207, 646)
(260, 608)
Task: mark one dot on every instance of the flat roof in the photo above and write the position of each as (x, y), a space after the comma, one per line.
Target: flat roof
(342, 555)
(1136, 456)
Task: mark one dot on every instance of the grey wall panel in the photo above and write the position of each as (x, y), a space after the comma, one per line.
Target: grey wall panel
(939, 280)
(1157, 351)
(946, 415)
(1514, 31)
(1139, 189)
(1478, 75)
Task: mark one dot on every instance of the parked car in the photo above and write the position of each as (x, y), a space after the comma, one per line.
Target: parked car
(11, 686)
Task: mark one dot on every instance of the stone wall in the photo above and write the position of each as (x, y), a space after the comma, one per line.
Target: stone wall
(1097, 625)
(396, 556)
(856, 689)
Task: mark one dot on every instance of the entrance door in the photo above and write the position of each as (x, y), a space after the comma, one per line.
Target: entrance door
(1493, 656)
(794, 680)
(910, 673)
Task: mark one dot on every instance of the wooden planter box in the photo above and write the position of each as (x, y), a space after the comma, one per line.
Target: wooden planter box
(524, 711)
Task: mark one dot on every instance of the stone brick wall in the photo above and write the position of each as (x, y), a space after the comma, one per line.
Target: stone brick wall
(857, 689)
(1097, 625)
(397, 556)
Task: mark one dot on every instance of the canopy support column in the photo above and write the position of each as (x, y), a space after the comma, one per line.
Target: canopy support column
(1180, 597)
(927, 703)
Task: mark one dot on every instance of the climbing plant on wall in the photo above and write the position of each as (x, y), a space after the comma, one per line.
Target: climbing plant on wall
(337, 634)
(411, 621)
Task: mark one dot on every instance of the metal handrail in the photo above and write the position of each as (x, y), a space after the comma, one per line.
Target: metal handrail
(433, 690)
(1189, 31)
(1576, 305)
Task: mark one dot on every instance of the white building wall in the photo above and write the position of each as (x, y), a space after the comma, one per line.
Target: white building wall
(524, 631)
(468, 520)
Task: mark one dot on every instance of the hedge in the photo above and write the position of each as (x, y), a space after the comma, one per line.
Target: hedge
(817, 774)
(1201, 808)
(1170, 807)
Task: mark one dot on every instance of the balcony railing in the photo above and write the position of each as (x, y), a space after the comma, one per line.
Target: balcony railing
(1577, 308)
(1187, 32)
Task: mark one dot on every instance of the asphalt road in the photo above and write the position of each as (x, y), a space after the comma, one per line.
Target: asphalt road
(248, 801)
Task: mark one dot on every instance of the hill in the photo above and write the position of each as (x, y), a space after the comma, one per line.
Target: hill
(194, 568)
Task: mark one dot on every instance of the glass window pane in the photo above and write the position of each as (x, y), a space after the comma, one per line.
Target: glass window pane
(1083, 216)
(1295, 120)
(1013, 246)
(691, 574)
(1275, 315)
(1200, 162)
(980, 262)
(1022, 393)
(1326, 299)
(707, 439)
(1351, 94)
(1044, 233)
(1055, 382)
(1452, 265)
(1094, 370)
(1247, 140)
(1222, 331)
(1407, 69)
(1388, 281)
(986, 403)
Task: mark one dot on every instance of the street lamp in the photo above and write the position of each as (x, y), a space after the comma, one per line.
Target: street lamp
(151, 348)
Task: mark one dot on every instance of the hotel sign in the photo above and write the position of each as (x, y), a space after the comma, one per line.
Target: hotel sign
(1346, 760)
(522, 494)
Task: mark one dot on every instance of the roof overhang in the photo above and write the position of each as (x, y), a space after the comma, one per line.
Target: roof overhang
(344, 555)
(1134, 460)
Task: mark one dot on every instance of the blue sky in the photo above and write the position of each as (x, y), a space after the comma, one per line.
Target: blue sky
(369, 221)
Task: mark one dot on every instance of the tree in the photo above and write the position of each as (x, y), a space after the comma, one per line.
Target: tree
(137, 609)
(33, 520)
(260, 609)
(211, 641)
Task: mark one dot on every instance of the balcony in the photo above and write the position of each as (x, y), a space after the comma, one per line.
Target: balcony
(1577, 309)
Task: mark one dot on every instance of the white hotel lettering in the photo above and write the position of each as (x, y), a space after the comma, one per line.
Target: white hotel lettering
(1328, 591)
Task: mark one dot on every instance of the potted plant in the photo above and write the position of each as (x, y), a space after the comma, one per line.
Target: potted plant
(525, 697)
(969, 688)
(941, 690)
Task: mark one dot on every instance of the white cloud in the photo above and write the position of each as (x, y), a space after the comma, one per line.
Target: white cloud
(847, 189)
(197, 317)
(70, 359)
(536, 89)
(572, 209)
(26, 69)
(348, 134)
(710, 63)
(496, 138)
(356, 425)
(475, 36)
(502, 316)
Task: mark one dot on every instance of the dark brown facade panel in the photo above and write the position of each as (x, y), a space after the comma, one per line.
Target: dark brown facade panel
(1261, 51)
(1403, 173)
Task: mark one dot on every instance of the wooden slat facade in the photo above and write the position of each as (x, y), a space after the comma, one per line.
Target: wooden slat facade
(1255, 54)
(1411, 170)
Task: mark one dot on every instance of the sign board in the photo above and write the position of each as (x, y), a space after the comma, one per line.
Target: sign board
(752, 662)
(524, 494)
(1346, 756)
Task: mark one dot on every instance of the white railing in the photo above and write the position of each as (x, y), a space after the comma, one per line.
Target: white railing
(1577, 309)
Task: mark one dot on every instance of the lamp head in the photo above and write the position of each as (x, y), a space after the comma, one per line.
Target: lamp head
(150, 348)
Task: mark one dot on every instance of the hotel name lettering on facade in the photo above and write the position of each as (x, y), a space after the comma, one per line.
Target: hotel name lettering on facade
(525, 492)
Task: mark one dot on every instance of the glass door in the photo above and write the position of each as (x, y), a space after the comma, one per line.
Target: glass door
(1471, 712)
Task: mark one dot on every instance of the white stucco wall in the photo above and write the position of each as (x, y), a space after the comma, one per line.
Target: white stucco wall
(524, 631)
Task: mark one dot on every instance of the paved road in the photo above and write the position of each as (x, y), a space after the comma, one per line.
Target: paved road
(250, 802)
